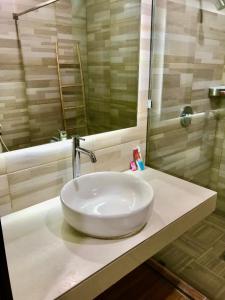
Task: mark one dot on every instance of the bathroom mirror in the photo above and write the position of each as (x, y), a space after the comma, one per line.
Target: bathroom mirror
(67, 67)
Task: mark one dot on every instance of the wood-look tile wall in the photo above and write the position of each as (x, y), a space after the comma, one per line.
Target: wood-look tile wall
(31, 111)
(38, 34)
(13, 103)
(189, 57)
(29, 90)
(35, 174)
(113, 54)
(218, 166)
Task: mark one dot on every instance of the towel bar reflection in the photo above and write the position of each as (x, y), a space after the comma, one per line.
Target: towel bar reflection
(217, 91)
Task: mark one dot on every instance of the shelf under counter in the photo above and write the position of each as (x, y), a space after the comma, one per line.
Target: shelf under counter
(47, 259)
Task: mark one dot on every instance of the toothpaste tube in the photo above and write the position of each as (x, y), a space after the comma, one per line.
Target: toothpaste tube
(138, 159)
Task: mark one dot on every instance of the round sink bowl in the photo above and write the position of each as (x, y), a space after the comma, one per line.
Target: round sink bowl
(107, 204)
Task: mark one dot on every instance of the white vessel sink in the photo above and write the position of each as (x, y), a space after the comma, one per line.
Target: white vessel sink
(107, 204)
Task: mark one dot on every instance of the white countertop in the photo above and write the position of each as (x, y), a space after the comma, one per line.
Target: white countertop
(47, 259)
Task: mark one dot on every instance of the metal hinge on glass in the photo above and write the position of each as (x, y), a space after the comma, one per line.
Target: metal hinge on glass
(149, 103)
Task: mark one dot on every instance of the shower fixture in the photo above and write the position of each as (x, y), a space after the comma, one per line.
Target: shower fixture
(201, 13)
(217, 91)
(186, 116)
(16, 15)
(2, 143)
(220, 4)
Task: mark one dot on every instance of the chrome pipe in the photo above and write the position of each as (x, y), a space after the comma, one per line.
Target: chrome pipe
(76, 151)
(17, 15)
(220, 4)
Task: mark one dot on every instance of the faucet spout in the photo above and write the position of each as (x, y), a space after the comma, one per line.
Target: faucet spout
(89, 153)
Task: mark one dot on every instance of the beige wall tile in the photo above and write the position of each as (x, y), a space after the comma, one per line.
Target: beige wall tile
(35, 156)
(2, 164)
(34, 185)
(4, 189)
(5, 200)
(184, 56)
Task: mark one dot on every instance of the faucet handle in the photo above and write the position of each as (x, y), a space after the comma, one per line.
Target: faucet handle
(78, 138)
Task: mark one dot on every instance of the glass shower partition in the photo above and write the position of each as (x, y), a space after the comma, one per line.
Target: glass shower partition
(187, 58)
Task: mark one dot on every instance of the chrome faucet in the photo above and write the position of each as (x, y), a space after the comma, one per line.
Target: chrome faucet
(76, 151)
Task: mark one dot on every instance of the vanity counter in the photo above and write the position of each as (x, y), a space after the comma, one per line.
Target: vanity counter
(47, 259)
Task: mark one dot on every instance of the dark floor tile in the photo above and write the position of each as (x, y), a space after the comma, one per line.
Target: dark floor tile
(216, 220)
(204, 236)
(199, 256)
(190, 246)
(223, 238)
(221, 294)
(174, 258)
(213, 259)
(202, 279)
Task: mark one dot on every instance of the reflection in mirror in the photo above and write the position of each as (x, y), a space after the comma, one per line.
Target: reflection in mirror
(74, 70)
